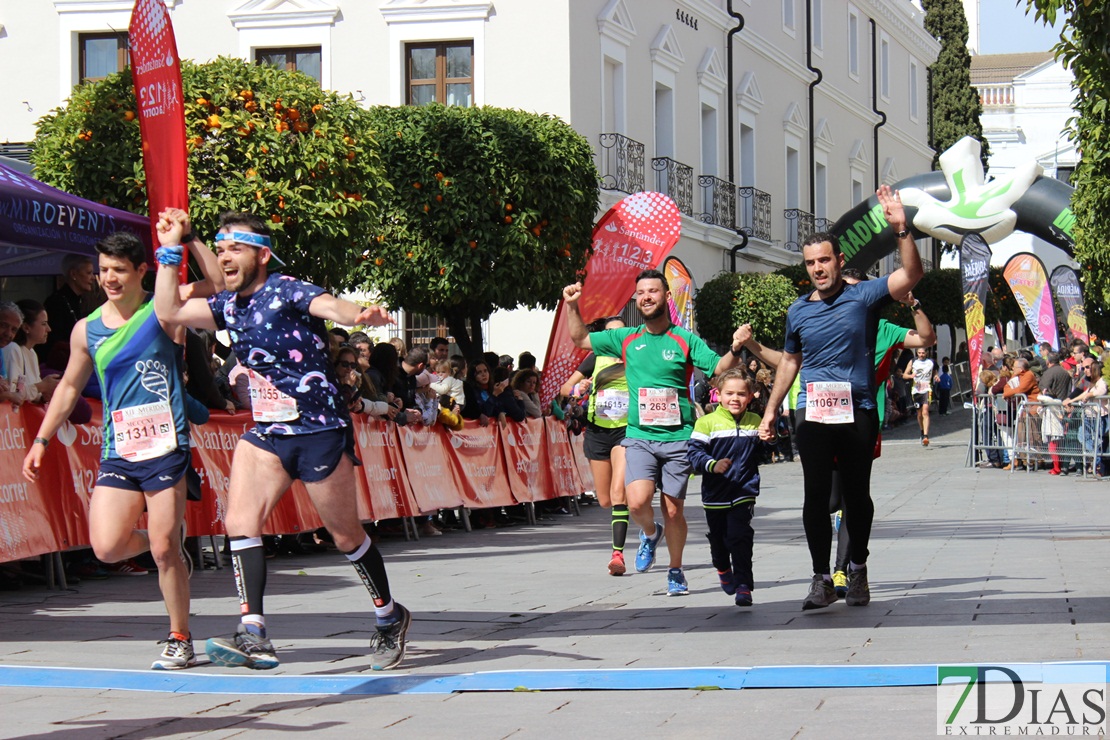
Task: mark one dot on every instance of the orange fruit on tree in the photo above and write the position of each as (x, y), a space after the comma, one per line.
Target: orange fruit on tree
(317, 108)
(409, 255)
(351, 156)
(508, 219)
(202, 101)
(251, 106)
(443, 271)
(379, 262)
(439, 199)
(129, 115)
(439, 176)
(508, 206)
(427, 208)
(293, 114)
(213, 121)
(417, 185)
(473, 244)
(300, 126)
(246, 94)
(275, 219)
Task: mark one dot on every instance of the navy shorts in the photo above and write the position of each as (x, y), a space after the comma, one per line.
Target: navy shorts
(156, 474)
(309, 458)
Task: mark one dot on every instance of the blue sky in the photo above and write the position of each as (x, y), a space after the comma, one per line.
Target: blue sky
(1004, 28)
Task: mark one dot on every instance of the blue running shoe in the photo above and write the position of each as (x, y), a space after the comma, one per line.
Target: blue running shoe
(728, 581)
(676, 583)
(645, 555)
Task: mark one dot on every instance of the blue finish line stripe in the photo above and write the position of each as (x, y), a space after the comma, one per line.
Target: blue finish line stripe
(644, 679)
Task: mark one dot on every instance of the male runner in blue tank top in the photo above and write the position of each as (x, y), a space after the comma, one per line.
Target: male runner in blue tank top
(139, 363)
(302, 427)
(827, 337)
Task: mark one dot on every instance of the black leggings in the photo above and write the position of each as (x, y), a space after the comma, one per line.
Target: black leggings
(849, 449)
(836, 503)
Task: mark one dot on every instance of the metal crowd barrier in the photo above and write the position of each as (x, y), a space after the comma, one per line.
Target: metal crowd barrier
(992, 429)
(1046, 430)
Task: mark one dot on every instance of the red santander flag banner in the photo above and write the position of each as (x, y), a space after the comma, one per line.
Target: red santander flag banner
(634, 235)
(156, 72)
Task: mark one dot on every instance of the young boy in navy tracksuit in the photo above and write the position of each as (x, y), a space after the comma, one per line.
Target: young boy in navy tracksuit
(725, 447)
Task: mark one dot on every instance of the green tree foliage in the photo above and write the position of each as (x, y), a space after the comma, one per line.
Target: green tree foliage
(1083, 50)
(490, 209)
(731, 299)
(798, 278)
(954, 105)
(260, 139)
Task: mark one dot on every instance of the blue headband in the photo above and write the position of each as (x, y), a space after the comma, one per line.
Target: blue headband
(250, 239)
(245, 237)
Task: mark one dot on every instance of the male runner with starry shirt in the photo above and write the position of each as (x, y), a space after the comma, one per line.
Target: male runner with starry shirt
(302, 431)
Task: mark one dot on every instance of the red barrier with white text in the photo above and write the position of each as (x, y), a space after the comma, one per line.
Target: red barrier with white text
(526, 462)
(564, 467)
(381, 481)
(476, 454)
(429, 467)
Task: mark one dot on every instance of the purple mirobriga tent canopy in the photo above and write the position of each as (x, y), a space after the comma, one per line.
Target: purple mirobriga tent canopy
(40, 224)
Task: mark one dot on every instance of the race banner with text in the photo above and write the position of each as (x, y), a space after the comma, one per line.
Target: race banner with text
(526, 463)
(682, 293)
(975, 261)
(1069, 294)
(31, 521)
(381, 482)
(156, 71)
(475, 451)
(430, 469)
(1026, 276)
(635, 235)
(564, 466)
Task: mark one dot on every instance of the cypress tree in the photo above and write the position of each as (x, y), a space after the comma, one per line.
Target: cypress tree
(954, 103)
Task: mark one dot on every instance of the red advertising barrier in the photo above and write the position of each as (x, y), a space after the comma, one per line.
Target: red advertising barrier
(526, 461)
(564, 470)
(433, 482)
(384, 491)
(405, 471)
(479, 465)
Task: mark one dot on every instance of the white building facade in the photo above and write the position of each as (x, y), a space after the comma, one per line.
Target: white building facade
(760, 140)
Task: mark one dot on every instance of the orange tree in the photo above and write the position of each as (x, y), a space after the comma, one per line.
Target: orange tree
(490, 209)
(731, 299)
(260, 139)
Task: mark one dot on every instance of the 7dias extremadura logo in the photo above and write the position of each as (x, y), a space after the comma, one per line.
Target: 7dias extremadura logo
(1038, 700)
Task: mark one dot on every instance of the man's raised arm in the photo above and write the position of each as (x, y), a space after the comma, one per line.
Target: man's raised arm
(577, 327)
(170, 299)
(902, 280)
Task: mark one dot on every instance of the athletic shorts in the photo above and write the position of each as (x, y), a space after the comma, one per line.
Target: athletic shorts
(309, 458)
(920, 399)
(156, 474)
(662, 462)
(599, 441)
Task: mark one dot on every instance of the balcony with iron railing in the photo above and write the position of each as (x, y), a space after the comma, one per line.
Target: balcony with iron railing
(676, 180)
(799, 225)
(621, 163)
(754, 213)
(718, 199)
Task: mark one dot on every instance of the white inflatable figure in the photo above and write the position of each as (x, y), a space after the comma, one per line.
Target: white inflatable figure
(976, 206)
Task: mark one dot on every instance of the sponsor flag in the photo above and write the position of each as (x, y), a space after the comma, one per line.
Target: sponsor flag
(156, 72)
(682, 287)
(1026, 276)
(634, 235)
(1069, 294)
(975, 260)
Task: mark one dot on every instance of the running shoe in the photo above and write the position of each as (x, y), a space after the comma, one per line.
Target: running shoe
(244, 648)
(388, 643)
(177, 654)
(676, 583)
(126, 568)
(859, 593)
(645, 555)
(924, 441)
(728, 581)
(616, 564)
(840, 583)
(821, 594)
(743, 595)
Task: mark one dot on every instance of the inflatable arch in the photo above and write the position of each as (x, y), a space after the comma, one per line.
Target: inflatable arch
(957, 201)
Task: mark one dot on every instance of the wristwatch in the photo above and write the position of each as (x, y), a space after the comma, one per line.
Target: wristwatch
(736, 352)
(45, 442)
(902, 234)
(916, 305)
(188, 238)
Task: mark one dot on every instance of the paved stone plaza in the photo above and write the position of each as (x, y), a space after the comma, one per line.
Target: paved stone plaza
(967, 566)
